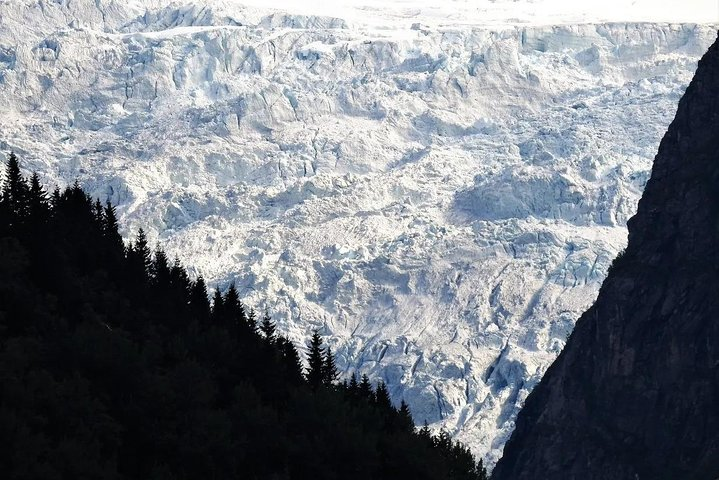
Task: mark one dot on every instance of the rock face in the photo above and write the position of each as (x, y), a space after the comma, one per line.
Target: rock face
(635, 393)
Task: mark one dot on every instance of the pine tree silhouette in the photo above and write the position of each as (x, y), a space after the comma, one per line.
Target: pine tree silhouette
(98, 212)
(160, 269)
(232, 298)
(110, 227)
(252, 320)
(139, 258)
(234, 312)
(405, 422)
(425, 432)
(365, 389)
(382, 397)
(198, 300)
(38, 203)
(329, 368)
(179, 279)
(292, 361)
(218, 308)
(142, 250)
(55, 198)
(267, 327)
(315, 361)
(353, 386)
(15, 192)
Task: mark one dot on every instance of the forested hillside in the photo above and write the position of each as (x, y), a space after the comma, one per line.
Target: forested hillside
(114, 364)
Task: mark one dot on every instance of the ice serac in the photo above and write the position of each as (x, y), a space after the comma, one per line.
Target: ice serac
(635, 393)
(441, 198)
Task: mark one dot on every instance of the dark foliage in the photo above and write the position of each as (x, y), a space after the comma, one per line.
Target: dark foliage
(267, 327)
(315, 361)
(114, 364)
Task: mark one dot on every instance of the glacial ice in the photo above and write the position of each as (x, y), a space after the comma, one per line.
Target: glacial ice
(441, 201)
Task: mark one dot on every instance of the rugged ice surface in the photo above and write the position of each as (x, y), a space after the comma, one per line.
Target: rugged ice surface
(442, 201)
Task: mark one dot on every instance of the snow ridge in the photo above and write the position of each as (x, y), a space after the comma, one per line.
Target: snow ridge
(441, 201)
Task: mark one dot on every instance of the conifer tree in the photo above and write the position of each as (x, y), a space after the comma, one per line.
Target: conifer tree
(232, 298)
(98, 211)
(218, 315)
(252, 320)
(179, 279)
(234, 311)
(142, 248)
(55, 198)
(15, 191)
(139, 255)
(425, 433)
(329, 368)
(382, 398)
(315, 361)
(39, 205)
(110, 227)
(267, 327)
(353, 386)
(138, 265)
(405, 422)
(198, 300)
(365, 389)
(160, 269)
(291, 360)
(443, 440)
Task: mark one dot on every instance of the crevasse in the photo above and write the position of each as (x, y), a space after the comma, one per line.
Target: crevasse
(441, 202)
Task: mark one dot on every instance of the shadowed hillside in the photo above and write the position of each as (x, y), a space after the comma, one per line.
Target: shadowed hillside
(635, 393)
(114, 364)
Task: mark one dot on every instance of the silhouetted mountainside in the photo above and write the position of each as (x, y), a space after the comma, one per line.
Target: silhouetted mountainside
(635, 393)
(114, 365)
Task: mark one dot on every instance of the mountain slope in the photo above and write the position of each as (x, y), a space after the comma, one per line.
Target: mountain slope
(441, 197)
(634, 394)
(113, 365)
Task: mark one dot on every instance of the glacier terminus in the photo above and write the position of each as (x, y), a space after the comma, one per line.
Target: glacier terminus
(439, 190)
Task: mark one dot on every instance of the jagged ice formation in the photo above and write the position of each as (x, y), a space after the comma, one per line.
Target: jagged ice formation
(442, 200)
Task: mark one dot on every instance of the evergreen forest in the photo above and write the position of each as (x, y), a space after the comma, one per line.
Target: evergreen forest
(115, 364)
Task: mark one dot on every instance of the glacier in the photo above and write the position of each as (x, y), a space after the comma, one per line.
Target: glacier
(440, 195)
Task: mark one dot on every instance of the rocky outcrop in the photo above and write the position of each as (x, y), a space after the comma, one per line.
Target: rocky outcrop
(635, 393)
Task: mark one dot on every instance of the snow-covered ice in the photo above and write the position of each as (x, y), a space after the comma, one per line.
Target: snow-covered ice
(440, 188)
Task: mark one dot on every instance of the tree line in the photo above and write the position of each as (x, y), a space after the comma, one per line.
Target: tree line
(115, 364)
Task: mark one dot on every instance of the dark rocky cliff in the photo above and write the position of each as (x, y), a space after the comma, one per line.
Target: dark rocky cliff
(635, 393)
